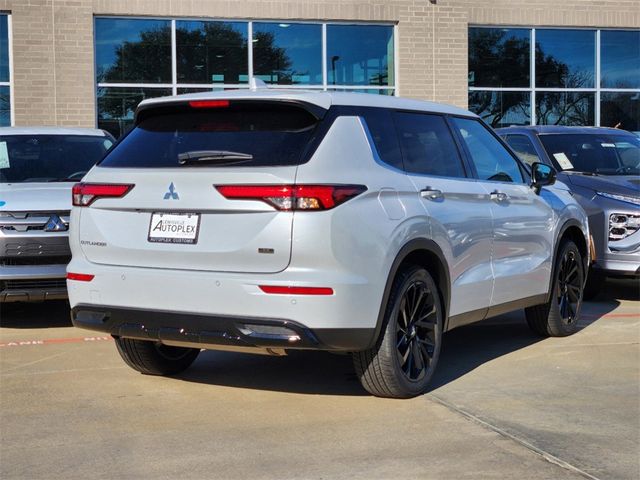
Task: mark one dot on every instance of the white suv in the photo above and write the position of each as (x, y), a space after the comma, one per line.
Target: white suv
(298, 220)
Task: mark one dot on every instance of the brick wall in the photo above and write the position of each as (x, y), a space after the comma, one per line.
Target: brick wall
(53, 65)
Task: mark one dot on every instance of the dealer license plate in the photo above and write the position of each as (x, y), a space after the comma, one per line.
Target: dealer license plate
(174, 227)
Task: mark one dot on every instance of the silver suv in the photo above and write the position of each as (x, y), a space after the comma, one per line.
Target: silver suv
(38, 167)
(283, 220)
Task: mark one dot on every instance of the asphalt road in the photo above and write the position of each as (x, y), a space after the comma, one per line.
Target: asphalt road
(504, 404)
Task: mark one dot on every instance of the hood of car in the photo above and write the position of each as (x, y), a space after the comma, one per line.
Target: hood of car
(620, 184)
(34, 197)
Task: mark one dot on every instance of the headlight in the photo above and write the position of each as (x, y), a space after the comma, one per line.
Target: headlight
(622, 198)
(621, 225)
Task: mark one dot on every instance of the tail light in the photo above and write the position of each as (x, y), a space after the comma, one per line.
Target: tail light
(80, 277)
(291, 290)
(293, 197)
(84, 194)
(209, 103)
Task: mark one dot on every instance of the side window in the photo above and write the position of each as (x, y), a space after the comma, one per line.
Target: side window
(524, 148)
(384, 136)
(491, 159)
(428, 148)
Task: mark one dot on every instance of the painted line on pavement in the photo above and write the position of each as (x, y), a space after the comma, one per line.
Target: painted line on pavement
(54, 341)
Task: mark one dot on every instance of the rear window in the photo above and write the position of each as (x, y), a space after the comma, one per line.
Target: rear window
(242, 135)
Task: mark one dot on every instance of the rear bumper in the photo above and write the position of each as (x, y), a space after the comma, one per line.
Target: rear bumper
(32, 283)
(211, 331)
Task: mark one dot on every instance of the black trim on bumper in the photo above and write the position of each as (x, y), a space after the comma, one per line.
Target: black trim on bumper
(215, 330)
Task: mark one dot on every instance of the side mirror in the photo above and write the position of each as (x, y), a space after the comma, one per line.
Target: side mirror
(542, 175)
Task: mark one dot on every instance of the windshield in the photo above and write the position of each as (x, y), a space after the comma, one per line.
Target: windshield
(244, 135)
(49, 158)
(594, 153)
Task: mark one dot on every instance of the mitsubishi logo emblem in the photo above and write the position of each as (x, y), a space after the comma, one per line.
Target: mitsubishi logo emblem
(55, 224)
(171, 194)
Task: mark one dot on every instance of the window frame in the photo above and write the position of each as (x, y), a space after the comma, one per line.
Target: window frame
(506, 137)
(174, 85)
(9, 83)
(533, 89)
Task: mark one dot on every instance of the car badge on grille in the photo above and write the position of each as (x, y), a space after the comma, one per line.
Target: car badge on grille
(171, 194)
(55, 224)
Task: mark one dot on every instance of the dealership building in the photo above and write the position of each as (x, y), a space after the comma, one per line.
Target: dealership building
(89, 62)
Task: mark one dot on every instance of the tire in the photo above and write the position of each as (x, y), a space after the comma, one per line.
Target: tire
(406, 354)
(595, 283)
(153, 358)
(559, 317)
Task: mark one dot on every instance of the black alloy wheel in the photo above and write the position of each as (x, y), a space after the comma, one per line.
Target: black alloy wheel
(569, 288)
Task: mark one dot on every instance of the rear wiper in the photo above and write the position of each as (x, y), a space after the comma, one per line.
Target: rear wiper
(212, 156)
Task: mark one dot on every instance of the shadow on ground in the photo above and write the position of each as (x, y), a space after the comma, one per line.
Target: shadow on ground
(35, 315)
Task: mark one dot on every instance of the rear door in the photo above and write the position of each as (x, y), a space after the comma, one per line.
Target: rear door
(523, 221)
(457, 205)
(174, 216)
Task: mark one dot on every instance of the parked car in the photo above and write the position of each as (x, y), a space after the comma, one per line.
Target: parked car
(326, 221)
(38, 167)
(601, 166)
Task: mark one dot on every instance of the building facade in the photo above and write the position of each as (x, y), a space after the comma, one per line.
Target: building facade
(89, 62)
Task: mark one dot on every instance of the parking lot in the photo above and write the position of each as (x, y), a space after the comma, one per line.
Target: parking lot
(504, 403)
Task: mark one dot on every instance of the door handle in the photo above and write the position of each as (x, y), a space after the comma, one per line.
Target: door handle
(431, 193)
(498, 196)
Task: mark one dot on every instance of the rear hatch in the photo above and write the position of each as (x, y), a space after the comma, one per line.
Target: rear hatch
(174, 216)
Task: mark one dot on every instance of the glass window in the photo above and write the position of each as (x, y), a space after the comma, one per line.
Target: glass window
(621, 110)
(565, 108)
(5, 107)
(360, 55)
(499, 57)
(287, 53)
(116, 106)
(212, 52)
(428, 148)
(370, 91)
(4, 48)
(266, 135)
(385, 138)
(522, 145)
(491, 160)
(620, 59)
(605, 154)
(501, 109)
(49, 158)
(565, 58)
(133, 51)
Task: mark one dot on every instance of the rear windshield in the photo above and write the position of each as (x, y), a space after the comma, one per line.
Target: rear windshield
(49, 158)
(242, 135)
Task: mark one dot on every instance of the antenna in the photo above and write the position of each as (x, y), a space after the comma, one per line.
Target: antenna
(256, 84)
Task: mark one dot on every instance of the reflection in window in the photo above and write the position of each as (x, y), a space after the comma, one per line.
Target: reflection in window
(212, 52)
(116, 106)
(501, 109)
(620, 59)
(521, 144)
(565, 108)
(184, 90)
(374, 91)
(134, 51)
(565, 58)
(5, 107)
(620, 110)
(499, 57)
(287, 53)
(360, 55)
(4, 48)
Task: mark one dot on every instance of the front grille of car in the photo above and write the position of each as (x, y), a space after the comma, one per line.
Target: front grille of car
(29, 248)
(19, 222)
(20, 261)
(49, 284)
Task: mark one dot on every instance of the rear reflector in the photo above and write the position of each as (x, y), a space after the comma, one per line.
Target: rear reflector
(209, 103)
(284, 290)
(80, 277)
(294, 197)
(84, 194)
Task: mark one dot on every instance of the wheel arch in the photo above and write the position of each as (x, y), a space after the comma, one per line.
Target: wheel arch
(426, 253)
(570, 230)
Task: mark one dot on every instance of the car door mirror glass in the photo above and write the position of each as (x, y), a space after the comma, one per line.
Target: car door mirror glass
(541, 175)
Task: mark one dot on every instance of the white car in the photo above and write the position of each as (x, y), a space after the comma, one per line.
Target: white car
(314, 220)
(38, 167)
